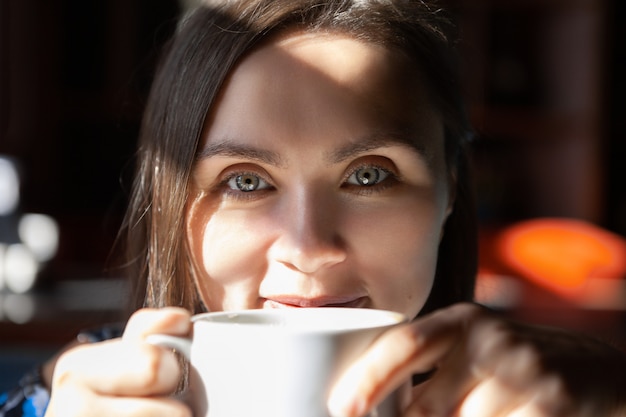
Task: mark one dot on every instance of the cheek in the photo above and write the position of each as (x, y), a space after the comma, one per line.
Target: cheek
(398, 251)
(228, 257)
(231, 247)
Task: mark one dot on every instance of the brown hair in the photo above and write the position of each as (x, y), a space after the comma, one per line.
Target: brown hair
(207, 45)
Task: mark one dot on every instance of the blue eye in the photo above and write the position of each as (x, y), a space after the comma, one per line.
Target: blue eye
(367, 176)
(247, 183)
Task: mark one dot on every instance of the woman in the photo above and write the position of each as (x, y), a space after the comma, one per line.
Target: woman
(305, 153)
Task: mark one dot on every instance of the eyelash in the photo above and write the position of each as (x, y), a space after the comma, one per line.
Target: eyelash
(388, 181)
(225, 188)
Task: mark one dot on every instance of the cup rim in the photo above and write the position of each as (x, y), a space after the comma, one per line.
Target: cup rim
(337, 319)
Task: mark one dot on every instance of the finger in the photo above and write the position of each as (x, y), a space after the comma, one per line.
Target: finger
(78, 401)
(445, 390)
(528, 410)
(536, 409)
(544, 396)
(394, 357)
(163, 406)
(169, 320)
(119, 368)
(491, 398)
(487, 354)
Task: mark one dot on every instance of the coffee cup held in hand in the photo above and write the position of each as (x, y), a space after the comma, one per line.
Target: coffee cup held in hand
(276, 363)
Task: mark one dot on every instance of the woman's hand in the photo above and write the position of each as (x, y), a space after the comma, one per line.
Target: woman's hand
(486, 366)
(122, 377)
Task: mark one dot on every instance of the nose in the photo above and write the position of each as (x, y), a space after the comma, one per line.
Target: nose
(308, 239)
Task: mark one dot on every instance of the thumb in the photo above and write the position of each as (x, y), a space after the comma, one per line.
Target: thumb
(169, 320)
(374, 376)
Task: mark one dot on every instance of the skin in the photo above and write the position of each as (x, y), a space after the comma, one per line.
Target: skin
(307, 97)
(310, 234)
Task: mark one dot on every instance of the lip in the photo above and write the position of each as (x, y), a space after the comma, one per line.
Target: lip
(290, 301)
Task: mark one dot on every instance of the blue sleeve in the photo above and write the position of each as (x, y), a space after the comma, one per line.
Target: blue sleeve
(29, 399)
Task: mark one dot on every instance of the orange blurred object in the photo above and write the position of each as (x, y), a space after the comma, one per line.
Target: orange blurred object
(562, 255)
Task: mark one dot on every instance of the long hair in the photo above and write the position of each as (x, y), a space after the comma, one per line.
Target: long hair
(209, 42)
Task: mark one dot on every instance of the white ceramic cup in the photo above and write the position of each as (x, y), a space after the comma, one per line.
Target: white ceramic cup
(276, 363)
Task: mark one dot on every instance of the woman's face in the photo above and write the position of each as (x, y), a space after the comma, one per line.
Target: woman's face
(320, 181)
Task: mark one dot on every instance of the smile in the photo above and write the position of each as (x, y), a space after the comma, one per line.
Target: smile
(300, 302)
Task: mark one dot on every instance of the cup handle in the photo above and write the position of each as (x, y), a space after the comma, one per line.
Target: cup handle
(181, 344)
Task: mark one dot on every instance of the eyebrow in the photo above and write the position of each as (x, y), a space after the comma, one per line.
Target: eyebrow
(376, 141)
(228, 148)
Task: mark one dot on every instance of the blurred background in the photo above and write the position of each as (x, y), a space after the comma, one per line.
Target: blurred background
(544, 85)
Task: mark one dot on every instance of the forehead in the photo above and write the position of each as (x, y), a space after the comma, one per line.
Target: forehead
(338, 59)
(323, 83)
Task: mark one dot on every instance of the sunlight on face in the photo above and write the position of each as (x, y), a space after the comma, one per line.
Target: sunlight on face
(321, 180)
